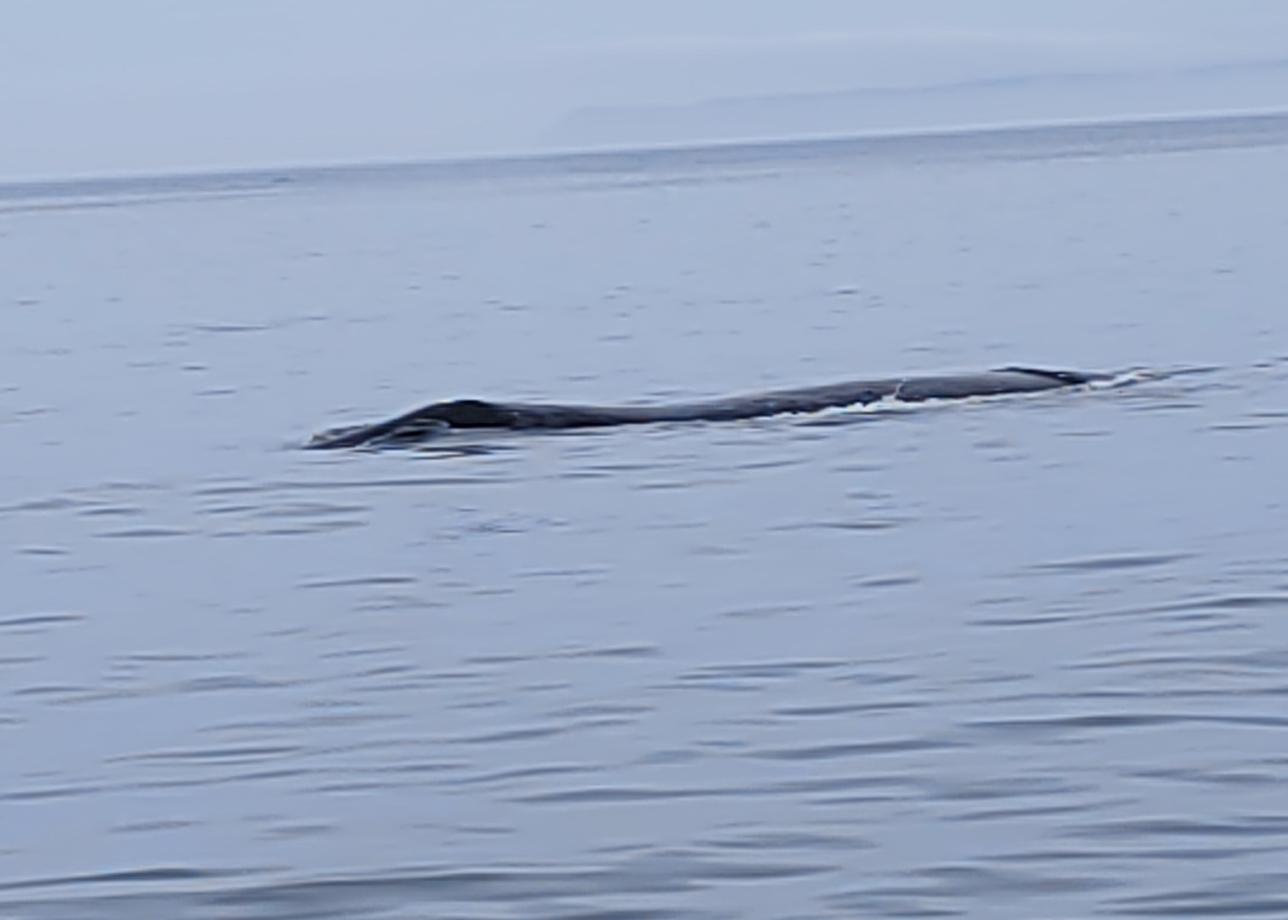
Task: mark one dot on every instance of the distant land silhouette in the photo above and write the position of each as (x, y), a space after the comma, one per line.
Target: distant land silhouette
(1012, 99)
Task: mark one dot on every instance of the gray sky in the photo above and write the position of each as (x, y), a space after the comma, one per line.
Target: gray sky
(98, 87)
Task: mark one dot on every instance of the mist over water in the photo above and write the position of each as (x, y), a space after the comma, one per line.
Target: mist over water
(1006, 658)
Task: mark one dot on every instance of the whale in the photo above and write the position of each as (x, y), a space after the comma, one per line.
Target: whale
(439, 418)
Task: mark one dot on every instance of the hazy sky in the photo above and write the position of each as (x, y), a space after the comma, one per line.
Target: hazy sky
(112, 86)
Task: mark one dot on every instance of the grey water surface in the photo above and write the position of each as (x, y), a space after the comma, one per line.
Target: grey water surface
(1019, 657)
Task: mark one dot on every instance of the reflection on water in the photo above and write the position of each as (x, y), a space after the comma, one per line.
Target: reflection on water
(1003, 658)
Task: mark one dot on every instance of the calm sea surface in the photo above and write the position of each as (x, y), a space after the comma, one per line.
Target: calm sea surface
(1016, 658)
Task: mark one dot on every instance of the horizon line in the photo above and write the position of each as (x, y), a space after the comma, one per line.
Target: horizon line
(269, 175)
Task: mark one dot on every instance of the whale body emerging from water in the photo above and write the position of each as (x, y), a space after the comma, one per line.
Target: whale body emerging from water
(473, 414)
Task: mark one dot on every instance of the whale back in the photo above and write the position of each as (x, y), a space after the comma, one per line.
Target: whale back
(473, 414)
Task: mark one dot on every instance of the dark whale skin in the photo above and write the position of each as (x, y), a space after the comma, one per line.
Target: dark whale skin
(474, 414)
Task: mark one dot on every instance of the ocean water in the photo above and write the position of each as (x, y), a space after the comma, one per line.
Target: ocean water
(1010, 658)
